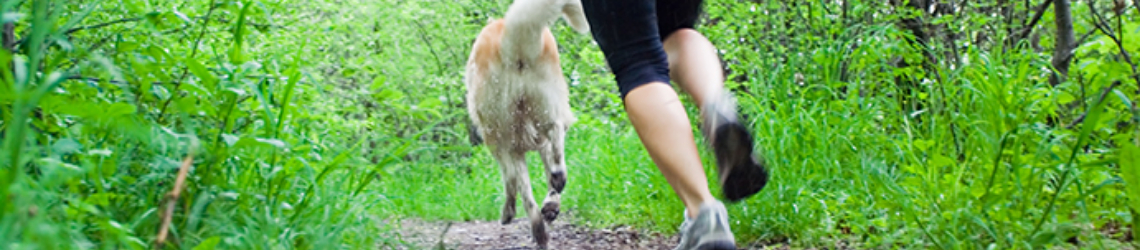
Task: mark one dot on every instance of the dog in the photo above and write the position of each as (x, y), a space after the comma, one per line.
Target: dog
(518, 101)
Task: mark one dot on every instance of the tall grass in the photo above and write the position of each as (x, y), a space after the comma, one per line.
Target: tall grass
(103, 98)
(984, 163)
(319, 121)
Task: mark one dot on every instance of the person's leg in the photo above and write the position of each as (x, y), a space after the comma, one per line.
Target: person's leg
(626, 31)
(694, 66)
(663, 126)
(693, 63)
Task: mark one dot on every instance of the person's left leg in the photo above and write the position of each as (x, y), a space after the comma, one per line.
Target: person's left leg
(661, 122)
(695, 67)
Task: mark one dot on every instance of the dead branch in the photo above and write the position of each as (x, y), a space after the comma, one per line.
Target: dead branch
(172, 200)
(1103, 96)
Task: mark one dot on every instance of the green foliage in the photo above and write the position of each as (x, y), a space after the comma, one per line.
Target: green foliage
(316, 121)
(102, 102)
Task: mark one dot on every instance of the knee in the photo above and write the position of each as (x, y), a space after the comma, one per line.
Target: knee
(685, 36)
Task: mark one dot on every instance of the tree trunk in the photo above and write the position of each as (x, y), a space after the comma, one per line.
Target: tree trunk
(916, 26)
(1063, 45)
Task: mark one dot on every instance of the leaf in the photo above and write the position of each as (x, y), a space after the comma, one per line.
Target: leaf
(236, 91)
(1130, 172)
(1065, 97)
(180, 15)
(259, 142)
(390, 94)
(923, 145)
(239, 34)
(100, 199)
(100, 152)
(430, 103)
(274, 142)
(378, 82)
(208, 244)
(1091, 121)
(230, 139)
(124, 47)
(118, 109)
(200, 71)
(940, 161)
(66, 146)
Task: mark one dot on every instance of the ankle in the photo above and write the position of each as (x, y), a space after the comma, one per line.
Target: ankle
(694, 208)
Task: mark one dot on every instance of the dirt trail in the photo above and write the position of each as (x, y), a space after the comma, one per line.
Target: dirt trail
(488, 235)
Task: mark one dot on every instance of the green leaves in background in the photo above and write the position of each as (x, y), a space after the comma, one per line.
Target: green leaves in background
(1130, 171)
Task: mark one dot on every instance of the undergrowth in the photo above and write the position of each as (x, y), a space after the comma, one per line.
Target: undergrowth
(311, 124)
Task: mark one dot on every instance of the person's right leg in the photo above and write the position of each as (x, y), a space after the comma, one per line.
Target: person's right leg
(694, 66)
(627, 33)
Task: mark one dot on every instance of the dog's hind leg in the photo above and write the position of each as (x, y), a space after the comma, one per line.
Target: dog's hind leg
(516, 179)
(510, 186)
(554, 158)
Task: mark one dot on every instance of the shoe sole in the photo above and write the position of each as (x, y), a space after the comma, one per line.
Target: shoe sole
(742, 175)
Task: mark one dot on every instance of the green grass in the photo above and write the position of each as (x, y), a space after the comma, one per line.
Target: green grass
(316, 122)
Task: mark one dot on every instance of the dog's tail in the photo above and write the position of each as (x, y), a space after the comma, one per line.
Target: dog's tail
(526, 19)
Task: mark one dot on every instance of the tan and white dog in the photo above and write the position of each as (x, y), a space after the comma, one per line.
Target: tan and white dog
(517, 99)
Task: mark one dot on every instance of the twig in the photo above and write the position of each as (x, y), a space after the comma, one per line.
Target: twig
(423, 36)
(439, 244)
(1033, 22)
(1103, 26)
(1103, 96)
(96, 26)
(186, 70)
(172, 199)
(1084, 38)
(94, 79)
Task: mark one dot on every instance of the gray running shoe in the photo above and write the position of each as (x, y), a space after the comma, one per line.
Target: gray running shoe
(741, 174)
(709, 231)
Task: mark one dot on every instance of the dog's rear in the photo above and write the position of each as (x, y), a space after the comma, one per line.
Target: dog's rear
(518, 100)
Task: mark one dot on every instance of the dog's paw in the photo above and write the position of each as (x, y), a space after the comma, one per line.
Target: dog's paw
(550, 211)
(541, 239)
(508, 214)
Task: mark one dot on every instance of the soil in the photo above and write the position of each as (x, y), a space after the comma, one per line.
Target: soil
(488, 235)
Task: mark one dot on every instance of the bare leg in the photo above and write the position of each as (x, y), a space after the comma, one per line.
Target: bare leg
(694, 65)
(663, 126)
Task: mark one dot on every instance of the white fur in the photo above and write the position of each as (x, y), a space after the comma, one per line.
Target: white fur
(518, 100)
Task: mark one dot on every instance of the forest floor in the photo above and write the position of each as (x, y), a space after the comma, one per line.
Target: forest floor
(492, 235)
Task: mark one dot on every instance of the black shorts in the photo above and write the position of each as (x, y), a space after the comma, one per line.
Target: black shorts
(630, 34)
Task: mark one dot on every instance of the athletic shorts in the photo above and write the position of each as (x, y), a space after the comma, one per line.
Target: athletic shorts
(630, 34)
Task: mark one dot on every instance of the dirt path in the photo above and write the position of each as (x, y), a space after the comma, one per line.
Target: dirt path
(488, 235)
